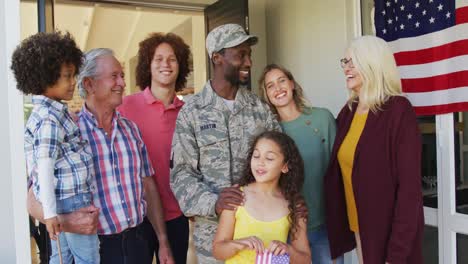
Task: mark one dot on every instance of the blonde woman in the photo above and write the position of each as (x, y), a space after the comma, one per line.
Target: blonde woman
(373, 183)
(313, 130)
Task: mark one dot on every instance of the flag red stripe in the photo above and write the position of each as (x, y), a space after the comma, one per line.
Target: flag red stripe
(461, 15)
(436, 83)
(432, 54)
(441, 109)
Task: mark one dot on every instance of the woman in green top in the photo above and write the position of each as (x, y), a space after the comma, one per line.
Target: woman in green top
(313, 130)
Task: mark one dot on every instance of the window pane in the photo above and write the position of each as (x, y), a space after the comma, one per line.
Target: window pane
(367, 11)
(462, 246)
(461, 161)
(428, 160)
(430, 245)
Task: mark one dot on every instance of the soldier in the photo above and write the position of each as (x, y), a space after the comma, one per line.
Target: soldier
(212, 136)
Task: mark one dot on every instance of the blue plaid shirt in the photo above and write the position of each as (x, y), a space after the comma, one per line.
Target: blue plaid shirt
(51, 133)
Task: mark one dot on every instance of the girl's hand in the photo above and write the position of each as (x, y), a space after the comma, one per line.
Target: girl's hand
(252, 242)
(278, 247)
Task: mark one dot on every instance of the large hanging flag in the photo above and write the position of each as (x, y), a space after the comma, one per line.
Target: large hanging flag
(429, 39)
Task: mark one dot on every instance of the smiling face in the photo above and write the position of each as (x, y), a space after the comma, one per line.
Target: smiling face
(353, 77)
(279, 88)
(267, 161)
(236, 64)
(108, 86)
(164, 66)
(65, 86)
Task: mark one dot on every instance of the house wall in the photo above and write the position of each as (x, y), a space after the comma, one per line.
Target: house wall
(257, 26)
(309, 38)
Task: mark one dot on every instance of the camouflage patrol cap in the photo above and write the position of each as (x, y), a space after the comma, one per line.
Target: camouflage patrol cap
(227, 36)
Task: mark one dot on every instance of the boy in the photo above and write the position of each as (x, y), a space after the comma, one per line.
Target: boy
(58, 164)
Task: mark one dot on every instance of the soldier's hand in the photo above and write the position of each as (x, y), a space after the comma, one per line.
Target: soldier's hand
(229, 199)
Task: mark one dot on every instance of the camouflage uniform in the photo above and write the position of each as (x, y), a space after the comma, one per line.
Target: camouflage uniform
(210, 147)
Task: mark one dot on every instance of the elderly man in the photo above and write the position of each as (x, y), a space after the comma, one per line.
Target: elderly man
(124, 190)
(212, 135)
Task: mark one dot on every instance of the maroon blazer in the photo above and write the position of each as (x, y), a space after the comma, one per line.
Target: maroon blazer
(386, 181)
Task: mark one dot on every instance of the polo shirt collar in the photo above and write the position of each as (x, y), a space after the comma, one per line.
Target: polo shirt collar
(150, 99)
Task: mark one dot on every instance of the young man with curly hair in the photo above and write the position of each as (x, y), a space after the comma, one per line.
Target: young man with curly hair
(58, 164)
(162, 71)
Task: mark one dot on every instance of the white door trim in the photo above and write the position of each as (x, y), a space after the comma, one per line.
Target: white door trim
(450, 222)
(15, 224)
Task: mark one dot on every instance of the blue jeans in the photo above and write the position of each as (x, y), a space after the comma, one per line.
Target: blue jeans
(320, 248)
(127, 247)
(84, 249)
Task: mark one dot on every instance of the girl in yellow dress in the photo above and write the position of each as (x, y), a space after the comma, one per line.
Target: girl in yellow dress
(272, 182)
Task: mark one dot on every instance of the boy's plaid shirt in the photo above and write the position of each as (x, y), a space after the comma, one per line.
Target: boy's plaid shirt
(51, 133)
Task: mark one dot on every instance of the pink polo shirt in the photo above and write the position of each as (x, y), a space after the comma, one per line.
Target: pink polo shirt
(157, 126)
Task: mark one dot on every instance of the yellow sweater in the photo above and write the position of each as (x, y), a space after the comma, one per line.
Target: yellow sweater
(346, 160)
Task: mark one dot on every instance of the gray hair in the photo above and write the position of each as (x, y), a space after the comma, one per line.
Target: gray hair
(89, 67)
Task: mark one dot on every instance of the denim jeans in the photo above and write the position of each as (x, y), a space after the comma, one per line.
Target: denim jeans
(127, 247)
(84, 249)
(320, 248)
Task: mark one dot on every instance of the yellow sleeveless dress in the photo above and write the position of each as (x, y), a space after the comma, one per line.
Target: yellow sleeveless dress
(247, 226)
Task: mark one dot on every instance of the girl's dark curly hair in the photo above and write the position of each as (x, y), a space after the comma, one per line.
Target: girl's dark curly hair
(37, 60)
(146, 53)
(290, 183)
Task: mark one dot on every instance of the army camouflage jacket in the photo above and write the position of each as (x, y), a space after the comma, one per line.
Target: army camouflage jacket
(210, 146)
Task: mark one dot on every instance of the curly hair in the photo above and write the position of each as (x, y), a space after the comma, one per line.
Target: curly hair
(146, 53)
(37, 60)
(298, 93)
(290, 183)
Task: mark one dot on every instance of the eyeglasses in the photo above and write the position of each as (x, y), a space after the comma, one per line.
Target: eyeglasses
(346, 62)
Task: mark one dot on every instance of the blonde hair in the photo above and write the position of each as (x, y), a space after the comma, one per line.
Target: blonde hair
(374, 61)
(298, 93)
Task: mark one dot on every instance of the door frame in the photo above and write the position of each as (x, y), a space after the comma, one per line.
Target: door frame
(449, 221)
(14, 225)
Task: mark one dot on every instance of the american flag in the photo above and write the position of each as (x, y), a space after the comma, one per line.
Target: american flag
(269, 258)
(429, 39)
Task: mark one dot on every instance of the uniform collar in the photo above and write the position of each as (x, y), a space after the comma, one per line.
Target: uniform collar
(210, 98)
